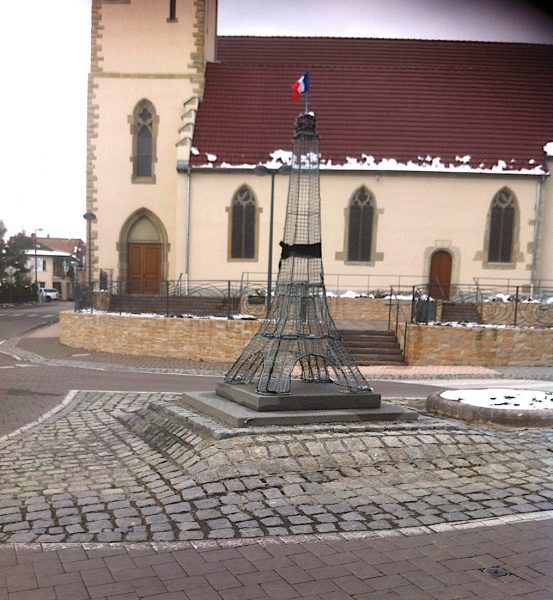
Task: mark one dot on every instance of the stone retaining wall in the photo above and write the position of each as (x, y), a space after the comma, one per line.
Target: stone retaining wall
(212, 340)
(370, 309)
(221, 340)
(478, 346)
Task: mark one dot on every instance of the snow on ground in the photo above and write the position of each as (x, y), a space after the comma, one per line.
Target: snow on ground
(238, 317)
(504, 399)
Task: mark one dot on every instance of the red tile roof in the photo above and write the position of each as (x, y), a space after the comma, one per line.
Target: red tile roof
(389, 99)
(68, 245)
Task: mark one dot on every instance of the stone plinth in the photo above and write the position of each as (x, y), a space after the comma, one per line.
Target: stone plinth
(302, 396)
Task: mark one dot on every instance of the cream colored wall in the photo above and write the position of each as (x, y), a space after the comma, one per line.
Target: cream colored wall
(141, 26)
(45, 277)
(210, 30)
(211, 195)
(417, 214)
(137, 54)
(118, 196)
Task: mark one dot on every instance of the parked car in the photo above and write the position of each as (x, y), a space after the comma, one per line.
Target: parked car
(48, 294)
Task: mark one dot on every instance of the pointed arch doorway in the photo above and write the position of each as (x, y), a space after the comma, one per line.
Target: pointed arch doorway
(143, 253)
(439, 279)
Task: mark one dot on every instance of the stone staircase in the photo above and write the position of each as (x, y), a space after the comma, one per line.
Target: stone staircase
(464, 311)
(371, 347)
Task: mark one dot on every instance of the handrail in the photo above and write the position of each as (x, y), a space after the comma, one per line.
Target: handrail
(399, 308)
(479, 295)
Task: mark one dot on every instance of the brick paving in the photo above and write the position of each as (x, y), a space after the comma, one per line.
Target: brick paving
(93, 505)
(418, 566)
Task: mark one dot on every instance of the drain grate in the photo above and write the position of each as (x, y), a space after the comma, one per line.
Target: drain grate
(496, 572)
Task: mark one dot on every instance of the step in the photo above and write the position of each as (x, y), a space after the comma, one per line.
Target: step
(375, 362)
(370, 347)
(366, 333)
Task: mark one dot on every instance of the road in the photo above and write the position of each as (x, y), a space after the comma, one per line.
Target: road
(30, 389)
(15, 321)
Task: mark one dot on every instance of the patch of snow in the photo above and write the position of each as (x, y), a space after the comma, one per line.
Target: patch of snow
(471, 324)
(211, 157)
(428, 163)
(504, 399)
(499, 167)
(238, 317)
(279, 157)
(498, 298)
(367, 162)
(194, 150)
(548, 148)
(352, 294)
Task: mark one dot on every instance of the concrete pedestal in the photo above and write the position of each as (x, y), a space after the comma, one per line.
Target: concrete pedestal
(308, 403)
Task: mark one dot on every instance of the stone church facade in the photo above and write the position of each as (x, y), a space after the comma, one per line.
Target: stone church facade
(421, 178)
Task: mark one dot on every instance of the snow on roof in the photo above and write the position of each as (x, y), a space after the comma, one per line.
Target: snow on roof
(43, 253)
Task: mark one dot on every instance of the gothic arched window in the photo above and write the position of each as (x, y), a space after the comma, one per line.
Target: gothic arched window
(144, 132)
(502, 223)
(243, 224)
(360, 226)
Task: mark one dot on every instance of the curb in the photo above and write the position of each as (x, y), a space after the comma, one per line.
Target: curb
(454, 409)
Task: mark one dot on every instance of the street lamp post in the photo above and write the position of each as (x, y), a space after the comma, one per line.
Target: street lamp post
(89, 216)
(263, 170)
(36, 263)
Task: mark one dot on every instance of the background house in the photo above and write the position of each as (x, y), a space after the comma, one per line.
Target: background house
(435, 156)
(56, 263)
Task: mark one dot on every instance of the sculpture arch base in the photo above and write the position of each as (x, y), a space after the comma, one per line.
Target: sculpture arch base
(228, 412)
(302, 396)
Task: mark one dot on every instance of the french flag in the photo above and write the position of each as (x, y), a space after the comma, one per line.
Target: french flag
(301, 86)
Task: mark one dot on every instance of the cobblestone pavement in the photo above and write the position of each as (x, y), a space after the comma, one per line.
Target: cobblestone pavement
(82, 476)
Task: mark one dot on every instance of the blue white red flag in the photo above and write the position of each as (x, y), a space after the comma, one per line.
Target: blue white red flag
(301, 86)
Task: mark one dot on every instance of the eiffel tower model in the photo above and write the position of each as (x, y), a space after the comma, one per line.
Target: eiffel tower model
(299, 334)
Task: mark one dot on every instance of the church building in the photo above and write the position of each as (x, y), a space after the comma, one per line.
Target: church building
(435, 155)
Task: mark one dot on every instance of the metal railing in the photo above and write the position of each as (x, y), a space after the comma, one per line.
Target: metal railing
(397, 316)
(525, 305)
(221, 298)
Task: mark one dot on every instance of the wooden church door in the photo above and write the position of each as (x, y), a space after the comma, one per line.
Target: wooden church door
(144, 269)
(440, 275)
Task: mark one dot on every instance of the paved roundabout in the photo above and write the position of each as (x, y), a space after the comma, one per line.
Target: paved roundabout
(82, 475)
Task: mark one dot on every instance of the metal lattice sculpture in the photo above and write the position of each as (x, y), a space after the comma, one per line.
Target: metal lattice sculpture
(299, 330)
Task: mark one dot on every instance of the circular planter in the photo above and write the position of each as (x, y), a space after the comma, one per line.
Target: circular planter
(469, 413)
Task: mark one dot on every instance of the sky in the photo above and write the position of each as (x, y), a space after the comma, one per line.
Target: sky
(45, 66)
